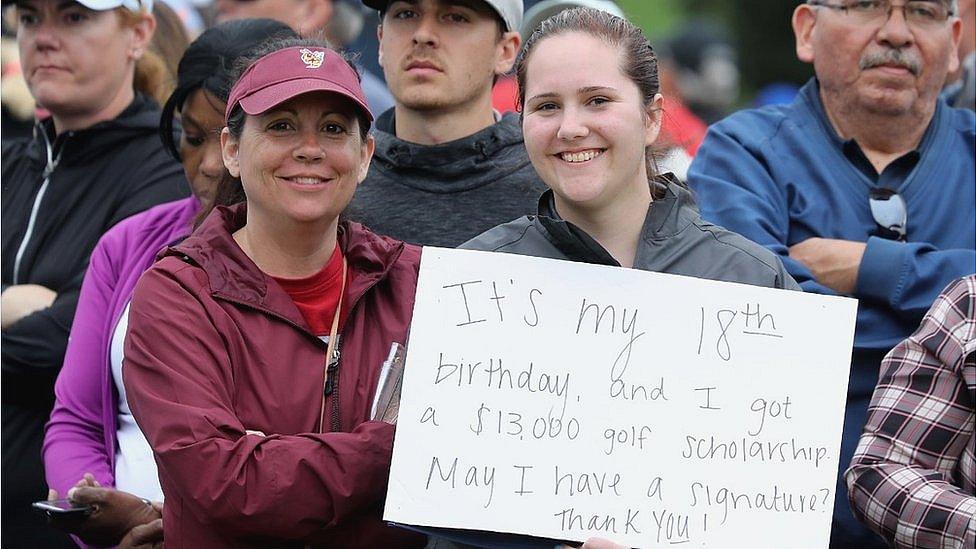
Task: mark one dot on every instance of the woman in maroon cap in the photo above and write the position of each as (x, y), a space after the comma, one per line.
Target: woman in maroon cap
(255, 345)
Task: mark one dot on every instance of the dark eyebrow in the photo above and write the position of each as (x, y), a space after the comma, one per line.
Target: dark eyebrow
(591, 89)
(188, 120)
(581, 91)
(547, 95)
(277, 111)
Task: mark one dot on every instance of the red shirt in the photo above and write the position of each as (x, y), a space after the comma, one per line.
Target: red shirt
(504, 95)
(317, 296)
(681, 127)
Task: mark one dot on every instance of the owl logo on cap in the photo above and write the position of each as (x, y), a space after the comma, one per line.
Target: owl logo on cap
(312, 59)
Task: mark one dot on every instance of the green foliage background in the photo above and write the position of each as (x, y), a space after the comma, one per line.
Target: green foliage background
(760, 30)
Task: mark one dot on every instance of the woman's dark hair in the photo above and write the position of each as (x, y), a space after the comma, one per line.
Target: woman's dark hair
(209, 62)
(229, 189)
(638, 60)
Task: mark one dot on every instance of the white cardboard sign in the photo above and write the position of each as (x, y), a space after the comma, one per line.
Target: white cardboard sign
(567, 400)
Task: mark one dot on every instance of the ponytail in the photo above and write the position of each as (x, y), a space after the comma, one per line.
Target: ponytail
(152, 78)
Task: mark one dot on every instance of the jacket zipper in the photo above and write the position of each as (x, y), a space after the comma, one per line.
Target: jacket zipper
(332, 366)
(332, 371)
(52, 164)
(332, 383)
(335, 401)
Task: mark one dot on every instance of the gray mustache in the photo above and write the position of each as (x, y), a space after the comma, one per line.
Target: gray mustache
(891, 57)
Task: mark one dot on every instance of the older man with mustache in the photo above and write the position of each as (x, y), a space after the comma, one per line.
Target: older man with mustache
(863, 185)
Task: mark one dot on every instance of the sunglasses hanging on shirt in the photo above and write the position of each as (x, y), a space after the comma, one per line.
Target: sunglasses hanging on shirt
(889, 212)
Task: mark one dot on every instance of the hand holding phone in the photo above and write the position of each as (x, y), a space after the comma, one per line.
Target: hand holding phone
(98, 515)
(63, 508)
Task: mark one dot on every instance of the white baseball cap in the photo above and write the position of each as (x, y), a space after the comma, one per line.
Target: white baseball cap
(510, 10)
(131, 5)
(547, 8)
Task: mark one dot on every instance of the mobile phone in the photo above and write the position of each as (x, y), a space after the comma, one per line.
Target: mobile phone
(63, 508)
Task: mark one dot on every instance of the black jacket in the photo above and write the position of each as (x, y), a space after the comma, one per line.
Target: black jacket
(674, 240)
(100, 176)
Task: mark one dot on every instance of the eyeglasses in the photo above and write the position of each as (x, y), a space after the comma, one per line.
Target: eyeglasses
(889, 212)
(918, 13)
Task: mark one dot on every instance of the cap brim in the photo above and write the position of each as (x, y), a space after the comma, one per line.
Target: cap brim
(100, 5)
(378, 5)
(276, 94)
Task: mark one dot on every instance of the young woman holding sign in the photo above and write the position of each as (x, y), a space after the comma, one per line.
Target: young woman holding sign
(589, 130)
(255, 345)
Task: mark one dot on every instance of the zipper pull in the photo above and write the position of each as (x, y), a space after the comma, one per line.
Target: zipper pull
(330, 382)
(332, 366)
(330, 372)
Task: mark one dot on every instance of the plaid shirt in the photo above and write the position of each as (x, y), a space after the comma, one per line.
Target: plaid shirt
(913, 476)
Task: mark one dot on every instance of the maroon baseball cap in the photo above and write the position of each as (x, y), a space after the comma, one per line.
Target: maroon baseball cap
(290, 72)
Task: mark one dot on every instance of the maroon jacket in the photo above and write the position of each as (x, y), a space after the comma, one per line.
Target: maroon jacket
(216, 347)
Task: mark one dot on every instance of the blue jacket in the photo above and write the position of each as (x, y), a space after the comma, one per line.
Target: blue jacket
(778, 176)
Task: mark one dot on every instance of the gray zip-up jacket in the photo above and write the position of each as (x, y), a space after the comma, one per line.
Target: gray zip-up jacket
(442, 195)
(674, 240)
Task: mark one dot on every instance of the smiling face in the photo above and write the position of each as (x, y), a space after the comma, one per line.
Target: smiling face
(586, 128)
(891, 68)
(78, 62)
(202, 118)
(299, 162)
(443, 54)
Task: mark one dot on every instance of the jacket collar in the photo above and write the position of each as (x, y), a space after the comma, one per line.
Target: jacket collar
(80, 146)
(809, 95)
(666, 217)
(232, 275)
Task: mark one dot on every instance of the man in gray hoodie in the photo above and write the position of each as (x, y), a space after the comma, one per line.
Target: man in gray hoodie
(447, 167)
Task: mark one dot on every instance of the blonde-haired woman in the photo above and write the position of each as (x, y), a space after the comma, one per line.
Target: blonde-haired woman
(94, 160)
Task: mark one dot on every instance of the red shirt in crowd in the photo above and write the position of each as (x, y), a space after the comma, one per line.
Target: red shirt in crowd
(317, 296)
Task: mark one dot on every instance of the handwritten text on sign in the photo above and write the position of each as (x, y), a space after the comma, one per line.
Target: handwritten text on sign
(566, 400)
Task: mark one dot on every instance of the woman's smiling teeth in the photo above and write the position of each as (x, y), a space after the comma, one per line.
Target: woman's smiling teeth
(305, 180)
(581, 156)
